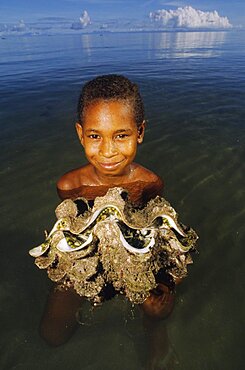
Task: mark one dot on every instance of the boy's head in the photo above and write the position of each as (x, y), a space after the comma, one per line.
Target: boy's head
(111, 88)
(111, 124)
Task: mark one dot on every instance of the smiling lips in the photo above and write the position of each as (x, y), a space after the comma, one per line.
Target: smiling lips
(110, 166)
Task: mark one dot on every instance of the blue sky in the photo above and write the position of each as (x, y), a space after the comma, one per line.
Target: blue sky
(31, 10)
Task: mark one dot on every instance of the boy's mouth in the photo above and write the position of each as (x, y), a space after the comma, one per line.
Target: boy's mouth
(110, 166)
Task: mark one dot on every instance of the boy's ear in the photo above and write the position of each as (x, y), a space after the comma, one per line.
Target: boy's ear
(141, 132)
(79, 130)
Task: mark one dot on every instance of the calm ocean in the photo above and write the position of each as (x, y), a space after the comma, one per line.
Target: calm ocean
(193, 85)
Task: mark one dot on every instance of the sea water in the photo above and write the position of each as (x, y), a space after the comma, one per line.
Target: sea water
(193, 86)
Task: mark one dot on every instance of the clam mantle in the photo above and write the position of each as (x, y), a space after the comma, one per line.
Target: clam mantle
(115, 243)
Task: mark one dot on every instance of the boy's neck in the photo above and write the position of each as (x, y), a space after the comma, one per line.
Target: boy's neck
(102, 179)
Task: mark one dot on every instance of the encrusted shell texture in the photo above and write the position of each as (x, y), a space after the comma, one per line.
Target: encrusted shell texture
(115, 243)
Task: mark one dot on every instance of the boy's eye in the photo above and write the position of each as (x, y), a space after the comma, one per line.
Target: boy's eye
(121, 136)
(94, 136)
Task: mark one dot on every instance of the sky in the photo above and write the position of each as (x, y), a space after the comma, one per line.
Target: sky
(103, 10)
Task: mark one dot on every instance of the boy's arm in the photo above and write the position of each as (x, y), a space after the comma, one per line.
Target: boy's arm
(70, 184)
(153, 183)
(64, 194)
(66, 186)
(153, 189)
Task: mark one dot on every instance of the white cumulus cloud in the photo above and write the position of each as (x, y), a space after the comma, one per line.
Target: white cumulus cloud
(189, 17)
(20, 26)
(84, 21)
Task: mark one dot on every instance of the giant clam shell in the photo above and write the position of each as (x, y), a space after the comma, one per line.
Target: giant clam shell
(115, 243)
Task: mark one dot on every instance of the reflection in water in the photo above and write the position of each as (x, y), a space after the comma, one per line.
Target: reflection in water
(186, 44)
(86, 44)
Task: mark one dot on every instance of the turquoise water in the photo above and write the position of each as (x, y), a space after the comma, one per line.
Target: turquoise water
(193, 85)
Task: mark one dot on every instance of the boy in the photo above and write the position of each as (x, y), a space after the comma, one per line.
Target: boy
(110, 126)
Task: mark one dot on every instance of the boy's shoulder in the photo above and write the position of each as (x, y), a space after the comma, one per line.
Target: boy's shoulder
(148, 183)
(84, 175)
(143, 174)
(80, 181)
(74, 178)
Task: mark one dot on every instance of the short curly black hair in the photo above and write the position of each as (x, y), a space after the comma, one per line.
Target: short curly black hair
(111, 87)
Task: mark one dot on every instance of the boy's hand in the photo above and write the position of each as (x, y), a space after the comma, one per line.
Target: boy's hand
(160, 303)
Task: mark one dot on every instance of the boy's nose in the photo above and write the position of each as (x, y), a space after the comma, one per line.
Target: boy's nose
(108, 149)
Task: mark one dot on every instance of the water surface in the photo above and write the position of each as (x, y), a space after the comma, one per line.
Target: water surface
(193, 85)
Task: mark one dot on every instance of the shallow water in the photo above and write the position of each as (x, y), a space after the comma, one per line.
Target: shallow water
(193, 85)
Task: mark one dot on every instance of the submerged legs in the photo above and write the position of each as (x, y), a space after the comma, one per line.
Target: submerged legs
(59, 319)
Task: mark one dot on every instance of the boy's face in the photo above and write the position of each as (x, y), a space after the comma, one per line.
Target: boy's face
(109, 135)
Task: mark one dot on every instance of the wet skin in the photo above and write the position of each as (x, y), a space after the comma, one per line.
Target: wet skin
(110, 136)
